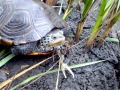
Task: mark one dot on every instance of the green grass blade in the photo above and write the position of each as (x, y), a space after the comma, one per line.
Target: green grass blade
(115, 19)
(118, 6)
(2, 52)
(112, 40)
(60, 10)
(100, 16)
(53, 71)
(109, 2)
(108, 6)
(108, 39)
(67, 12)
(88, 4)
(6, 59)
(85, 64)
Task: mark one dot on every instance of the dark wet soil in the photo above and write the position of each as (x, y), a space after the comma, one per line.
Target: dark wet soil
(101, 76)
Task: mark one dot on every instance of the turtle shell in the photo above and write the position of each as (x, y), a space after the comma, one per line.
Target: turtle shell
(23, 21)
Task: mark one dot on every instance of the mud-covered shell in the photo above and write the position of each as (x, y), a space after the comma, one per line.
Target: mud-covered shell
(23, 21)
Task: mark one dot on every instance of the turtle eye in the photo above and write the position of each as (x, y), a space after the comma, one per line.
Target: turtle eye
(54, 37)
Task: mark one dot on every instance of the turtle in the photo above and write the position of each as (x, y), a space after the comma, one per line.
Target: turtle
(31, 27)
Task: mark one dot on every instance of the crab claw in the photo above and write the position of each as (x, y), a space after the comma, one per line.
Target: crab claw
(61, 50)
(64, 67)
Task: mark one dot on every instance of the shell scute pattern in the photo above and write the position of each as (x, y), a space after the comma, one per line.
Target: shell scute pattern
(18, 23)
(5, 10)
(23, 22)
(42, 24)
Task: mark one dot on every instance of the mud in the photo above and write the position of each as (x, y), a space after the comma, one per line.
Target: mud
(99, 76)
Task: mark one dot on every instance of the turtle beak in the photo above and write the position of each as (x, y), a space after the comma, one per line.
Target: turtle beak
(58, 42)
(56, 37)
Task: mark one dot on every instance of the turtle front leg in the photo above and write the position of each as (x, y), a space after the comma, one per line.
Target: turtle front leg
(63, 65)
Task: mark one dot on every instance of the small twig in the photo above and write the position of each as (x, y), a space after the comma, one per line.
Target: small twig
(110, 49)
(79, 42)
(60, 7)
(5, 71)
(57, 6)
(56, 87)
(15, 75)
(39, 77)
(21, 73)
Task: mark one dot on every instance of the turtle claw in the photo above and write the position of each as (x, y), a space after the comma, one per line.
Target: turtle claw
(64, 67)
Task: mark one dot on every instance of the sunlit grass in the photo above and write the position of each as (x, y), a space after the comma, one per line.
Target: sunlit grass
(2, 52)
(70, 8)
(21, 73)
(106, 12)
(87, 6)
(6, 59)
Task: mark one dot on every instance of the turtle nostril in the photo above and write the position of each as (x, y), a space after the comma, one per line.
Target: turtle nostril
(61, 37)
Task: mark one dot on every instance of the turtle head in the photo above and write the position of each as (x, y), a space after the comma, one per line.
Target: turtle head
(54, 38)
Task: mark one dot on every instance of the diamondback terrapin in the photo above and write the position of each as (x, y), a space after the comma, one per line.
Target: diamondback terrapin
(30, 27)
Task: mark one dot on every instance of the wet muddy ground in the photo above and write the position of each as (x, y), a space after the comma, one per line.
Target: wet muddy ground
(101, 76)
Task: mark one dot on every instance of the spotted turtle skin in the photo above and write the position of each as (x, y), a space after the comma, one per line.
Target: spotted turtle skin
(24, 21)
